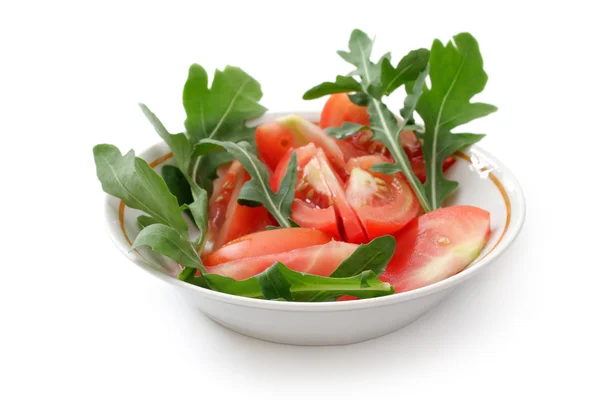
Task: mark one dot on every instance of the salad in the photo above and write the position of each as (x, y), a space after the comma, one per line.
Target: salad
(348, 207)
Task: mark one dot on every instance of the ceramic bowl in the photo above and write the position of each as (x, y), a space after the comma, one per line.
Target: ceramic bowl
(484, 182)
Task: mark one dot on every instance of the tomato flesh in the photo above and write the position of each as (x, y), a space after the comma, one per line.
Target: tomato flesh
(436, 246)
(352, 229)
(227, 220)
(274, 139)
(313, 203)
(317, 260)
(383, 203)
(266, 242)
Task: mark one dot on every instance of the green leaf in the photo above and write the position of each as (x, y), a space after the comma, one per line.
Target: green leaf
(246, 288)
(457, 75)
(386, 129)
(167, 241)
(273, 283)
(360, 99)
(145, 220)
(178, 185)
(407, 70)
(342, 84)
(373, 256)
(280, 283)
(346, 130)
(360, 46)
(199, 210)
(132, 180)
(179, 143)
(306, 287)
(222, 111)
(257, 190)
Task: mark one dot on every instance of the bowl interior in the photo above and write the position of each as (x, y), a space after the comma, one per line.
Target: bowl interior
(484, 182)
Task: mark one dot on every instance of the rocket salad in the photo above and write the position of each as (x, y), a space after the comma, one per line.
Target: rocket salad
(348, 207)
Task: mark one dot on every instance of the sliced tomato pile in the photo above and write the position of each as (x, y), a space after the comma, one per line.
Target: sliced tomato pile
(227, 220)
(339, 109)
(339, 202)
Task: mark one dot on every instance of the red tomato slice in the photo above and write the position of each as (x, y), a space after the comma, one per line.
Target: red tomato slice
(266, 242)
(274, 139)
(339, 109)
(227, 219)
(352, 229)
(313, 203)
(318, 260)
(384, 203)
(436, 246)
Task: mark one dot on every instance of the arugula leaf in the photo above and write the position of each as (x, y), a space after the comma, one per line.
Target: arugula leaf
(281, 283)
(386, 129)
(306, 287)
(167, 241)
(178, 185)
(342, 84)
(360, 99)
(257, 190)
(179, 143)
(457, 75)
(199, 210)
(360, 46)
(407, 70)
(221, 112)
(373, 256)
(346, 130)
(145, 220)
(132, 180)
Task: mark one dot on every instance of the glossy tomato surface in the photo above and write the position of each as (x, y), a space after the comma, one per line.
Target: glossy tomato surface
(267, 242)
(275, 138)
(227, 219)
(383, 203)
(436, 246)
(317, 260)
(339, 109)
(313, 203)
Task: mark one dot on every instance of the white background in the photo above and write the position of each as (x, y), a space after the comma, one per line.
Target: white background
(79, 321)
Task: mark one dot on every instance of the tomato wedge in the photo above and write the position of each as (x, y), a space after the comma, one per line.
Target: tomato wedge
(352, 229)
(275, 138)
(227, 220)
(313, 203)
(267, 242)
(320, 201)
(384, 203)
(339, 109)
(317, 260)
(436, 246)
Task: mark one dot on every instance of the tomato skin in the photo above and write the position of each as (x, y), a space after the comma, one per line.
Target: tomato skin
(339, 109)
(383, 203)
(315, 216)
(352, 229)
(317, 260)
(274, 139)
(266, 242)
(436, 246)
(227, 219)
(323, 219)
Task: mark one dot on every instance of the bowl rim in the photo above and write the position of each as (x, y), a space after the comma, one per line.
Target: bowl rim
(518, 207)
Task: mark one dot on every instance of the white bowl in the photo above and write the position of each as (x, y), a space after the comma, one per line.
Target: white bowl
(484, 182)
